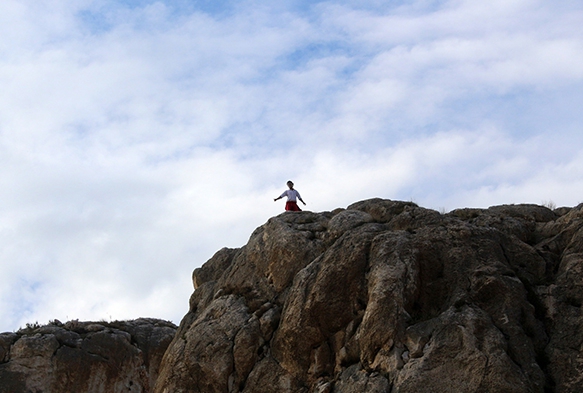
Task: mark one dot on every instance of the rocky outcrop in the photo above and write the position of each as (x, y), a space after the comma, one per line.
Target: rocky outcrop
(383, 296)
(84, 357)
(386, 296)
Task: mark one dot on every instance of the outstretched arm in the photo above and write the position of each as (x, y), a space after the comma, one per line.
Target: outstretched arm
(302, 201)
(275, 199)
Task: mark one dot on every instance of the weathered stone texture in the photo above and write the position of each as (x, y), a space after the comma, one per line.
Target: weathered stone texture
(84, 357)
(385, 296)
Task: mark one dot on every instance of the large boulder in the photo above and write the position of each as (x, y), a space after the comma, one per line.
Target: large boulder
(388, 296)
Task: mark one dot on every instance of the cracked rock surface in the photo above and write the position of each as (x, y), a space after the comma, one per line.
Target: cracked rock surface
(91, 357)
(386, 296)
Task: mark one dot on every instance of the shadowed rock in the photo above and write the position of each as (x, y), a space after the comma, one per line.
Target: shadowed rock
(84, 356)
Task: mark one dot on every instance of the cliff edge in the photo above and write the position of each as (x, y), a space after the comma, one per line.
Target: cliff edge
(386, 296)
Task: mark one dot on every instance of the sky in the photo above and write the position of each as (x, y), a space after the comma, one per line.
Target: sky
(139, 137)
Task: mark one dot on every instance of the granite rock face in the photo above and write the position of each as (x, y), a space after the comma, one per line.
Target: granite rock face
(84, 357)
(386, 296)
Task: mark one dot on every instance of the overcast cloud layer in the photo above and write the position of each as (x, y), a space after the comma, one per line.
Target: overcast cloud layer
(139, 137)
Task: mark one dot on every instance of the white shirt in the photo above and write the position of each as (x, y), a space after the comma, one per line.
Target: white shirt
(292, 195)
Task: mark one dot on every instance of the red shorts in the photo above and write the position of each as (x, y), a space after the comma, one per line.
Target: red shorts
(292, 207)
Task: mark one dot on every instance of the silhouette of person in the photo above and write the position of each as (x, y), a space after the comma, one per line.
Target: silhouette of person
(292, 195)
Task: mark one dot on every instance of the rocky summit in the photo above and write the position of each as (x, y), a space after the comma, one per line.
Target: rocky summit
(386, 296)
(383, 296)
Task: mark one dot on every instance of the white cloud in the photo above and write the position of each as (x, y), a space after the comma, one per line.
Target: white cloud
(137, 141)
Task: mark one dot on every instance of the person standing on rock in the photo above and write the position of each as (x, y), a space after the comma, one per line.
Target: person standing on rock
(292, 195)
